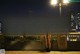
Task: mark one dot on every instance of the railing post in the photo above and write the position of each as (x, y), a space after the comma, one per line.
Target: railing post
(48, 42)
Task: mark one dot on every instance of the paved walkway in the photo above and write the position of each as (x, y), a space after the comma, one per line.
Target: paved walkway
(25, 45)
(38, 52)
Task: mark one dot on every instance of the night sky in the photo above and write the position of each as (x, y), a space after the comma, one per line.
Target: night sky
(28, 6)
(34, 16)
(22, 7)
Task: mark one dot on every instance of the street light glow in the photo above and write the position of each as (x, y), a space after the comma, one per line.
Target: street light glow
(60, 3)
(54, 2)
(66, 1)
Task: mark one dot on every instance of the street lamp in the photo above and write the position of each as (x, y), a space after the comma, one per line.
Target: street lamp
(54, 2)
(66, 1)
(60, 3)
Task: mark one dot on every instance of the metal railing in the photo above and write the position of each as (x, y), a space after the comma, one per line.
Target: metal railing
(39, 41)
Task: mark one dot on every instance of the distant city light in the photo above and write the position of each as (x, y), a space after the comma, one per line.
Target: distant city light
(78, 13)
(53, 2)
(66, 1)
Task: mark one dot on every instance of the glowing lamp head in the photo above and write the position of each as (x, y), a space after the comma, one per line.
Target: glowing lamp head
(53, 2)
(66, 1)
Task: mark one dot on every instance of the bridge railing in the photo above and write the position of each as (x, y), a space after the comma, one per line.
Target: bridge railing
(40, 41)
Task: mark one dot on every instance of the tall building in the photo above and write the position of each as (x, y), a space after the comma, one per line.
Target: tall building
(75, 21)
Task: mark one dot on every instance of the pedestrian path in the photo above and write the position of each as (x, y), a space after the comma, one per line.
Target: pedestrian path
(38, 52)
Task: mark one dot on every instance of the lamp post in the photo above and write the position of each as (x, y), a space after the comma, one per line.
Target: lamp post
(59, 3)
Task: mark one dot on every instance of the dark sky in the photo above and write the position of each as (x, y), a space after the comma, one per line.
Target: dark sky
(23, 6)
(42, 17)
(28, 6)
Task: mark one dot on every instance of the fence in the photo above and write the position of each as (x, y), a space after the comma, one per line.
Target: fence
(42, 42)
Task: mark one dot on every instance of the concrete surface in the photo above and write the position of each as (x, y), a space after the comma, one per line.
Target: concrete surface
(38, 52)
